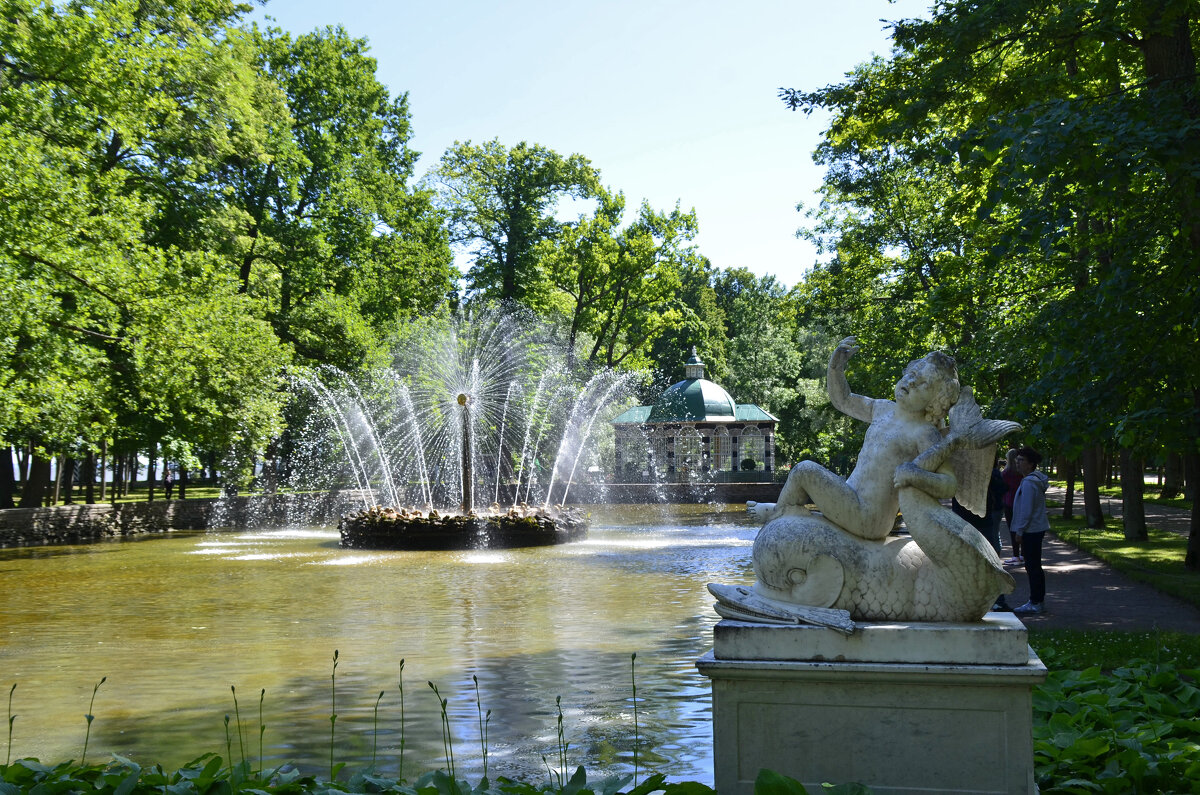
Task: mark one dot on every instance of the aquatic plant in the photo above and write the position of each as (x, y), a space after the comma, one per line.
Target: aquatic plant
(90, 717)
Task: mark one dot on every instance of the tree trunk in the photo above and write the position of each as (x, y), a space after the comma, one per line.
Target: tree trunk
(8, 483)
(1068, 511)
(68, 480)
(1133, 509)
(1191, 468)
(1173, 477)
(23, 467)
(1109, 469)
(103, 470)
(151, 454)
(118, 477)
(183, 479)
(1191, 561)
(1092, 512)
(56, 489)
(89, 478)
(36, 482)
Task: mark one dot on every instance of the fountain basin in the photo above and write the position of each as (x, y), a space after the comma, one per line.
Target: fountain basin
(390, 528)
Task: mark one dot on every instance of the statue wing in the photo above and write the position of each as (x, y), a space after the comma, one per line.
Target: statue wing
(973, 470)
(973, 453)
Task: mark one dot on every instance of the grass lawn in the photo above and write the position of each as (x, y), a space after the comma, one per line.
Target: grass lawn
(194, 492)
(1151, 495)
(1081, 649)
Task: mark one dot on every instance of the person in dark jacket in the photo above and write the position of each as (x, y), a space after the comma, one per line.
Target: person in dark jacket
(988, 525)
(1031, 523)
(1012, 479)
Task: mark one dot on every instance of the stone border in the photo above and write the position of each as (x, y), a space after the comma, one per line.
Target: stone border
(78, 524)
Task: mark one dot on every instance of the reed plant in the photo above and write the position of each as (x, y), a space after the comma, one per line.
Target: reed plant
(483, 725)
(238, 717)
(332, 713)
(375, 730)
(262, 727)
(11, 719)
(401, 687)
(90, 717)
(633, 683)
(447, 737)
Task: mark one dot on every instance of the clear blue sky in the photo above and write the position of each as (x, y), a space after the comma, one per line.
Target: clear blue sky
(671, 100)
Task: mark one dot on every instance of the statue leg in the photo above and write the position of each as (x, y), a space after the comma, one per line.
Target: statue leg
(795, 493)
(843, 506)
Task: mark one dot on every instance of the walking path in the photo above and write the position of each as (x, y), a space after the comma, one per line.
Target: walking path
(1084, 593)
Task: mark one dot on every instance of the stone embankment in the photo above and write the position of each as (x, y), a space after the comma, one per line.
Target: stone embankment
(78, 524)
(75, 524)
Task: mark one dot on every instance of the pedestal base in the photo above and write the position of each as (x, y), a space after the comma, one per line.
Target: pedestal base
(895, 725)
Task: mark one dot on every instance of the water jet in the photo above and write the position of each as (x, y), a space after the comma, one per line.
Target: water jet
(474, 404)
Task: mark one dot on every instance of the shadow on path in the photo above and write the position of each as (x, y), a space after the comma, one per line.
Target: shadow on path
(1082, 592)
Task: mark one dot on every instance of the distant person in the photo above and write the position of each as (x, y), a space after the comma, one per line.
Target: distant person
(1012, 479)
(988, 525)
(168, 482)
(1030, 524)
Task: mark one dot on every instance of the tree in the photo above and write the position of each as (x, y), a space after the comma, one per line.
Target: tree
(702, 324)
(500, 203)
(324, 226)
(101, 105)
(621, 285)
(1071, 129)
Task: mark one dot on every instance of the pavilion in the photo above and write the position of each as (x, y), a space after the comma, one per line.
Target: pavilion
(695, 431)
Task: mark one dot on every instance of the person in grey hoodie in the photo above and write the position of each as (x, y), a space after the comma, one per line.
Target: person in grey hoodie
(1030, 523)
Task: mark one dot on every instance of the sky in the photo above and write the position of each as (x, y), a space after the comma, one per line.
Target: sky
(673, 101)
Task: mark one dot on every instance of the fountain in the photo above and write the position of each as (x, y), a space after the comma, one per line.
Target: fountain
(473, 439)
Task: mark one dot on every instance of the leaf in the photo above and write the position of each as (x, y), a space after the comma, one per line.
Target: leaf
(769, 782)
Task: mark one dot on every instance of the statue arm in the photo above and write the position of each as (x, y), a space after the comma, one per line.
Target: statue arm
(931, 471)
(940, 484)
(845, 401)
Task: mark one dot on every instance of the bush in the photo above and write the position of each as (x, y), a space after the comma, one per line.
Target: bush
(748, 464)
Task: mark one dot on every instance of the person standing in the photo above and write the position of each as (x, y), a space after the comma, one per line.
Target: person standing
(1030, 524)
(1012, 479)
(168, 481)
(988, 525)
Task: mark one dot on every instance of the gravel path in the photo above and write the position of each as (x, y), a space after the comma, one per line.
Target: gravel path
(1082, 592)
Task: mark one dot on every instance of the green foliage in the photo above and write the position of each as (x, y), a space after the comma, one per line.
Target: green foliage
(500, 204)
(187, 204)
(1063, 649)
(1132, 729)
(1016, 184)
(324, 228)
(619, 288)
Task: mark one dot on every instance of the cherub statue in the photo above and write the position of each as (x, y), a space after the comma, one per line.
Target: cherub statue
(839, 564)
(865, 504)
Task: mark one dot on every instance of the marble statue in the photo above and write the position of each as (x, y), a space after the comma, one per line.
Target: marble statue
(839, 561)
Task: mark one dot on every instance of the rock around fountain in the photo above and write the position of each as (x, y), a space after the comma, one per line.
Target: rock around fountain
(472, 440)
(858, 656)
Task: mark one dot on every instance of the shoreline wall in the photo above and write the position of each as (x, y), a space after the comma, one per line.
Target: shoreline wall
(80, 524)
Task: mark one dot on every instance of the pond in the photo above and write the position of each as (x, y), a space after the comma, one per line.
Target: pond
(175, 622)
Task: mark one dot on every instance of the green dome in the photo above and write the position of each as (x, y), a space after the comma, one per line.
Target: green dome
(693, 400)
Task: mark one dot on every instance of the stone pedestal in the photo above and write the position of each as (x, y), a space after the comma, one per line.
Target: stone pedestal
(901, 708)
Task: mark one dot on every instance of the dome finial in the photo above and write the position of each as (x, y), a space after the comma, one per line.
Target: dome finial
(694, 368)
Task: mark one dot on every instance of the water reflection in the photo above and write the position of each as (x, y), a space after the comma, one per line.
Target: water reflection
(173, 622)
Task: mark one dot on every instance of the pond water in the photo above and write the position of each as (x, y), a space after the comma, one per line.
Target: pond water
(174, 622)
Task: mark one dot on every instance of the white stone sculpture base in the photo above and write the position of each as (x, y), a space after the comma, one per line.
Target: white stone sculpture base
(912, 708)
